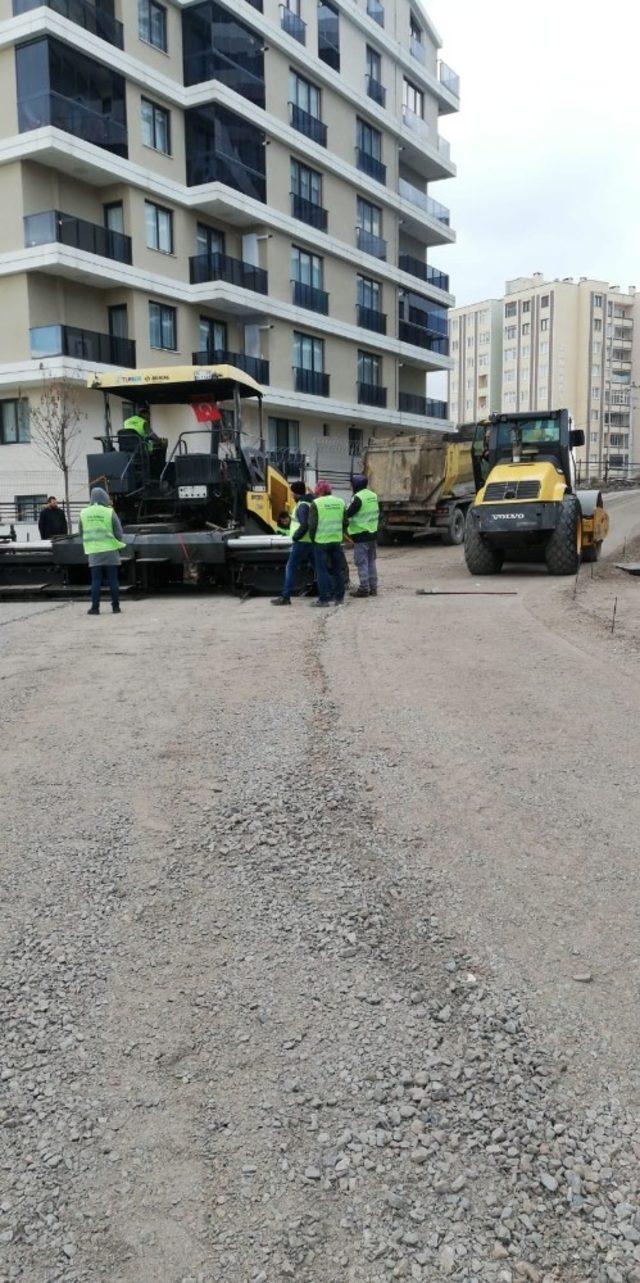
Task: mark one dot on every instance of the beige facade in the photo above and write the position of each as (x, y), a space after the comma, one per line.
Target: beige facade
(475, 340)
(563, 344)
(321, 285)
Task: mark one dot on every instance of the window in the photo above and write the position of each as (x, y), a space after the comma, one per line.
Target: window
(470, 362)
(509, 398)
(597, 300)
(306, 183)
(510, 353)
(118, 321)
(454, 345)
(510, 331)
(329, 34)
(544, 324)
(14, 422)
(524, 351)
(369, 369)
(595, 414)
(355, 441)
(543, 370)
(597, 325)
(544, 347)
(369, 217)
(526, 306)
(113, 217)
(470, 341)
(212, 335)
(369, 293)
(283, 434)
(308, 352)
(306, 268)
(413, 99)
(226, 148)
(209, 240)
(510, 309)
(368, 139)
(526, 328)
(509, 376)
(544, 301)
(156, 131)
(595, 393)
(57, 85)
(28, 506)
(304, 95)
(162, 326)
(485, 337)
(483, 361)
(152, 23)
(159, 227)
(374, 65)
(415, 30)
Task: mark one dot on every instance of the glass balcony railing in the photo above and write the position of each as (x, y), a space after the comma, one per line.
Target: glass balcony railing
(91, 17)
(372, 394)
(101, 129)
(209, 167)
(417, 50)
(415, 123)
(369, 243)
(221, 267)
(375, 10)
(244, 77)
(370, 165)
(309, 296)
(371, 319)
(308, 212)
(426, 203)
(52, 227)
(82, 345)
(329, 39)
(449, 79)
(407, 263)
(307, 124)
(293, 25)
(419, 336)
(256, 366)
(314, 382)
(376, 91)
(411, 403)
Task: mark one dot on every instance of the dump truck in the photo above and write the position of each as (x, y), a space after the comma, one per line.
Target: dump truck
(424, 484)
(527, 507)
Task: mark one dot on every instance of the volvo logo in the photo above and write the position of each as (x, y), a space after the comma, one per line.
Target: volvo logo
(508, 516)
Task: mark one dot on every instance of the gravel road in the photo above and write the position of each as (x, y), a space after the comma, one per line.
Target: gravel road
(319, 935)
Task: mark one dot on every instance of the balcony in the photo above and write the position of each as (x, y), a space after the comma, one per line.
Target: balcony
(91, 17)
(417, 50)
(256, 366)
(82, 345)
(369, 243)
(410, 403)
(52, 227)
(101, 129)
(314, 382)
(415, 266)
(448, 79)
(245, 78)
(375, 10)
(415, 123)
(293, 25)
(420, 336)
(426, 203)
(220, 267)
(207, 167)
(307, 124)
(308, 212)
(370, 165)
(371, 319)
(311, 297)
(376, 91)
(372, 394)
(329, 41)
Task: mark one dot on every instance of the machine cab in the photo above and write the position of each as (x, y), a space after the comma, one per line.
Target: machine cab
(525, 438)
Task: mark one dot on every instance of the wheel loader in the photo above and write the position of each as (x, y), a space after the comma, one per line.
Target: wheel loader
(527, 507)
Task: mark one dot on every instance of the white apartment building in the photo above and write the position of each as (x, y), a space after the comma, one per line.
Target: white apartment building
(475, 341)
(564, 343)
(231, 180)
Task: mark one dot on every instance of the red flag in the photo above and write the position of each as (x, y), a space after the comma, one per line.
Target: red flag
(207, 412)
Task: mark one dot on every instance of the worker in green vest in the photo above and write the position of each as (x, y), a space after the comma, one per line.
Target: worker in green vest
(283, 524)
(300, 561)
(138, 424)
(363, 517)
(102, 539)
(326, 528)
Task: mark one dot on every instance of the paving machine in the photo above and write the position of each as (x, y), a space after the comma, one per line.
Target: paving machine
(527, 507)
(203, 513)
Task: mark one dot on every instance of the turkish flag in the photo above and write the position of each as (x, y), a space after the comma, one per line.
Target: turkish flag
(207, 412)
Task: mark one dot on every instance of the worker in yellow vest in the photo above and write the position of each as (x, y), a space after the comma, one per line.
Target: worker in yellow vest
(102, 539)
(363, 516)
(301, 555)
(138, 424)
(326, 528)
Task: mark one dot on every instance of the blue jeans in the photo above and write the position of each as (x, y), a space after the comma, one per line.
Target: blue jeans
(329, 571)
(111, 575)
(301, 555)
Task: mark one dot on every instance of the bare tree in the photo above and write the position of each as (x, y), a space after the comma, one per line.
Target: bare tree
(55, 428)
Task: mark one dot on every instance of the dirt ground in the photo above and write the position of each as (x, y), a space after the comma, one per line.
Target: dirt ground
(319, 933)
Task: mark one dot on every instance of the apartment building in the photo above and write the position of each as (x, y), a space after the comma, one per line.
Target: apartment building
(475, 381)
(245, 181)
(564, 343)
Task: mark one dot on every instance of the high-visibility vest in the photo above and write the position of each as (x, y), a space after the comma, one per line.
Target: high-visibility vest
(135, 423)
(330, 511)
(280, 530)
(367, 517)
(97, 530)
(295, 524)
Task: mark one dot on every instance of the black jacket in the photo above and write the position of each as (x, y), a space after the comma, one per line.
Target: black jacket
(51, 522)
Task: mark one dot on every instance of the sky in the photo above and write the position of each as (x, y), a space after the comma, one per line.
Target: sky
(547, 142)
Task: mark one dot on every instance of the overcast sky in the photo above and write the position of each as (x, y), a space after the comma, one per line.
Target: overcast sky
(546, 141)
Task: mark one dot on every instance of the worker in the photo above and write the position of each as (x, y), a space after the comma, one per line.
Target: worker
(301, 555)
(102, 540)
(283, 525)
(140, 424)
(363, 516)
(326, 527)
(52, 521)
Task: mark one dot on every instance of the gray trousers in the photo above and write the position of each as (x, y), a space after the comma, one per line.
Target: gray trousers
(364, 556)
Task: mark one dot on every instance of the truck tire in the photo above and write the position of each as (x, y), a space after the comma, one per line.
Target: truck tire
(454, 533)
(564, 545)
(480, 557)
(592, 552)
